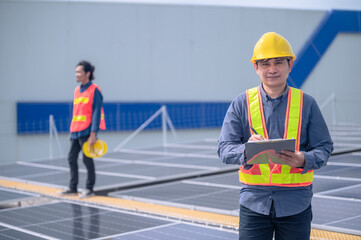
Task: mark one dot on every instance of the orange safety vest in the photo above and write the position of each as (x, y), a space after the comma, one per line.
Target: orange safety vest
(276, 174)
(83, 109)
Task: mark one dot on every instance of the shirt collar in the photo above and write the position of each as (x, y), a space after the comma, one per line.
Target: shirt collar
(86, 85)
(265, 96)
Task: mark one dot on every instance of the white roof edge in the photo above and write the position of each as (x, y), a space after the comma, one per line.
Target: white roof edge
(276, 4)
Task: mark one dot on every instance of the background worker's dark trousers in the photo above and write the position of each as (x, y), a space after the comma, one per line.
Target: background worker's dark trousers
(75, 148)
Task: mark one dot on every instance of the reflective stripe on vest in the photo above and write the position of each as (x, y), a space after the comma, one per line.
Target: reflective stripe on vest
(81, 100)
(79, 118)
(275, 174)
(83, 108)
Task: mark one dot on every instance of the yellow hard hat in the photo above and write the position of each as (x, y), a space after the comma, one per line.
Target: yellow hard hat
(99, 149)
(272, 45)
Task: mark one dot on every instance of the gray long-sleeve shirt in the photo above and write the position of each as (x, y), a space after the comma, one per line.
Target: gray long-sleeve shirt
(315, 143)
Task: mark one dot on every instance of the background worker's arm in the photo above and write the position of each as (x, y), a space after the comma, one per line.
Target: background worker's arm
(97, 106)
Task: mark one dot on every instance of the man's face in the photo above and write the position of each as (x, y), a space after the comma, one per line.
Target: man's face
(81, 76)
(274, 72)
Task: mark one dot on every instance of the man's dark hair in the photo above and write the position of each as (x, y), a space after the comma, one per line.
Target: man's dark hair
(87, 67)
(261, 60)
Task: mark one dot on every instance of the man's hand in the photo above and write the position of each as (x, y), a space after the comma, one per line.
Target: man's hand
(294, 159)
(255, 138)
(92, 139)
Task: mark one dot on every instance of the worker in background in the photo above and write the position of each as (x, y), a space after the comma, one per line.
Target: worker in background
(88, 118)
(275, 199)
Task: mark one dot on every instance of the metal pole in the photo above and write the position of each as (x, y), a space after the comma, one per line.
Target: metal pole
(164, 124)
(171, 126)
(334, 109)
(144, 125)
(329, 99)
(57, 138)
(332, 99)
(51, 117)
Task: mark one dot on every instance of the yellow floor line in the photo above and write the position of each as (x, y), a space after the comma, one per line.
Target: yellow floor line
(317, 234)
(173, 212)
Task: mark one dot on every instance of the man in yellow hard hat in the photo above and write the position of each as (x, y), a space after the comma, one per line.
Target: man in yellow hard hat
(275, 199)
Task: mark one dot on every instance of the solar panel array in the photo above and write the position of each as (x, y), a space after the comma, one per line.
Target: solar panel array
(127, 167)
(336, 203)
(187, 175)
(67, 220)
(219, 194)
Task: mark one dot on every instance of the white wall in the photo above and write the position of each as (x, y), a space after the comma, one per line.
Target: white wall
(142, 52)
(339, 73)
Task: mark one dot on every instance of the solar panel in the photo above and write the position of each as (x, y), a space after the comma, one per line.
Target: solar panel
(19, 171)
(155, 171)
(11, 234)
(131, 156)
(181, 232)
(63, 162)
(331, 213)
(66, 220)
(228, 198)
(205, 144)
(169, 191)
(228, 179)
(126, 168)
(192, 161)
(341, 171)
(212, 198)
(173, 149)
(346, 158)
(340, 181)
(346, 137)
(8, 196)
(62, 179)
(326, 184)
(351, 192)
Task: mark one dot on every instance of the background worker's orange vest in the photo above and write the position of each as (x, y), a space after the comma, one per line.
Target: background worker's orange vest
(276, 174)
(83, 109)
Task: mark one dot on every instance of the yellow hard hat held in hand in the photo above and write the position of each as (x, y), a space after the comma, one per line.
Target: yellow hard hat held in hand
(99, 149)
(272, 45)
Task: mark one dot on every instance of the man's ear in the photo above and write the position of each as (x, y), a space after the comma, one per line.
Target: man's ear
(255, 65)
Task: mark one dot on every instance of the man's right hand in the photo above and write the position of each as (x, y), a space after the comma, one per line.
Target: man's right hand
(256, 138)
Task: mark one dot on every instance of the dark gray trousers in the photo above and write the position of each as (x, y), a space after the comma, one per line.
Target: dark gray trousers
(75, 148)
